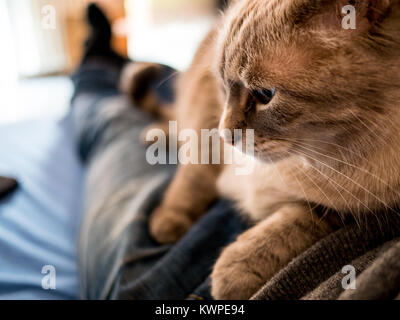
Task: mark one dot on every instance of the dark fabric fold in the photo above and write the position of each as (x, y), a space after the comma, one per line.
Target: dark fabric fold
(328, 256)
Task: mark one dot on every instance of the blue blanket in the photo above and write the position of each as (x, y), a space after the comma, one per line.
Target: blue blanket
(39, 223)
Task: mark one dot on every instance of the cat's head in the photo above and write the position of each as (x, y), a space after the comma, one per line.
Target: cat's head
(293, 73)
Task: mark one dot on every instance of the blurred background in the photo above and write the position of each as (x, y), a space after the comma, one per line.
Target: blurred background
(41, 44)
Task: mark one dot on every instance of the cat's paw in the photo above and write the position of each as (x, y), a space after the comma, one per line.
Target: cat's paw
(168, 225)
(233, 276)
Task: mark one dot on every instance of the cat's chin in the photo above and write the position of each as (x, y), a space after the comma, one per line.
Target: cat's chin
(265, 156)
(270, 157)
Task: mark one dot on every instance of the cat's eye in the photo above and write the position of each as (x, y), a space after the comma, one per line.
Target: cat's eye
(264, 96)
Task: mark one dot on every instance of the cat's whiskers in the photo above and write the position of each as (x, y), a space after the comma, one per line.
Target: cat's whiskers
(285, 183)
(278, 172)
(172, 75)
(369, 129)
(362, 138)
(343, 156)
(305, 195)
(367, 172)
(328, 143)
(304, 192)
(354, 212)
(330, 182)
(386, 206)
(302, 145)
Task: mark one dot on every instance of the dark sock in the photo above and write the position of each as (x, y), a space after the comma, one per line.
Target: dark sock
(7, 185)
(100, 69)
(98, 44)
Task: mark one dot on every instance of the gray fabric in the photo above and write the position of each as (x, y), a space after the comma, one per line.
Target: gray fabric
(327, 257)
(381, 280)
(332, 288)
(118, 183)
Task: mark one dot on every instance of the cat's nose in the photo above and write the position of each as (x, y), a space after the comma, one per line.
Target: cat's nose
(227, 126)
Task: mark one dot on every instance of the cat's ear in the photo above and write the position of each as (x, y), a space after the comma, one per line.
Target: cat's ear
(357, 15)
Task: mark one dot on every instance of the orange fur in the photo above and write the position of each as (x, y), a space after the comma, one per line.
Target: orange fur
(330, 136)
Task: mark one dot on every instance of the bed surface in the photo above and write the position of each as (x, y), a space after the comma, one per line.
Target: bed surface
(39, 223)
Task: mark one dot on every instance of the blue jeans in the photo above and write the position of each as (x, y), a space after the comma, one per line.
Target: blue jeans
(117, 257)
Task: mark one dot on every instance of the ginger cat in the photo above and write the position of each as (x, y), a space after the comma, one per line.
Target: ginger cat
(324, 103)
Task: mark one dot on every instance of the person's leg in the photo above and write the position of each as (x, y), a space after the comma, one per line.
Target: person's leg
(107, 130)
(117, 257)
(117, 174)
